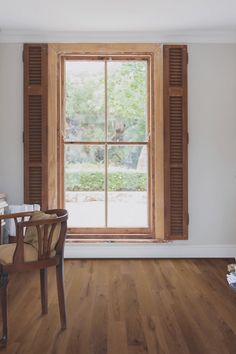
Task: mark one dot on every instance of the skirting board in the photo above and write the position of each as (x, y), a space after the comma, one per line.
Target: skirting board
(170, 250)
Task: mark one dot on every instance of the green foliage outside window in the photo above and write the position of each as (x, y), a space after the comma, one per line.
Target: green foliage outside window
(117, 181)
(85, 112)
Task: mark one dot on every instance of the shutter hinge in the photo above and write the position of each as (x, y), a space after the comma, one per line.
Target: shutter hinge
(187, 138)
(188, 218)
(23, 137)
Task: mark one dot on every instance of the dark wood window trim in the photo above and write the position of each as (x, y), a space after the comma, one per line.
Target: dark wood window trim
(35, 58)
(170, 216)
(176, 141)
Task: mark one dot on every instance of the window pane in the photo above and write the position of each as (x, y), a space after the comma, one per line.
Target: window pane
(85, 101)
(127, 186)
(127, 100)
(84, 185)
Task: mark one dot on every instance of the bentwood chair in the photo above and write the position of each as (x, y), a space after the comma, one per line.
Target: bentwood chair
(39, 244)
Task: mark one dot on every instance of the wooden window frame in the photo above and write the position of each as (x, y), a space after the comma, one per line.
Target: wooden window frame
(112, 232)
(42, 133)
(56, 53)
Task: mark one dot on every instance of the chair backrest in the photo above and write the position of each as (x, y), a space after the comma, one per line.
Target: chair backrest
(46, 231)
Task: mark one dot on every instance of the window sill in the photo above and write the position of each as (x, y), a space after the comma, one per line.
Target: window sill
(115, 240)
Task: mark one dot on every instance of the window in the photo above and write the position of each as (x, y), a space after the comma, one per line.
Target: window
(107, 142)
(105, 156)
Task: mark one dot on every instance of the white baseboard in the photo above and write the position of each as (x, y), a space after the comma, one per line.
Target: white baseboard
(170, 250)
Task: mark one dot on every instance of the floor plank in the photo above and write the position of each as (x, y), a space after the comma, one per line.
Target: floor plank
(127, 307)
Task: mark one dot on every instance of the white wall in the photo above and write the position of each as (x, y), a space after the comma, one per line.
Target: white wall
(212, 148)
(11, 122)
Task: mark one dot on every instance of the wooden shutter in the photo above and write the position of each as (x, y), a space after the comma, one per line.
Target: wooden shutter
(35, 124)
(175, 142)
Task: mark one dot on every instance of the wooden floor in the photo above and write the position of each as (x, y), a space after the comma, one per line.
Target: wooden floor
(127, 306)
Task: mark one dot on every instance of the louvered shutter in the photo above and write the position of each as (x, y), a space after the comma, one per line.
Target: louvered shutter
(175, 142)
(35, 124)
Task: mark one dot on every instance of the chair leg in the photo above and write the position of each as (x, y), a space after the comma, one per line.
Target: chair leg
(61, 295)
(44, 290)
(3, 295)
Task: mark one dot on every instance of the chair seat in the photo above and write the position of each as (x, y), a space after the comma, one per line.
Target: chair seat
(7, 252)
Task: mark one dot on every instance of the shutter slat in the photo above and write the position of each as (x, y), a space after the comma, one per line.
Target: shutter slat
(35, 128)
(35, 124)
(175, 125)
(35, 177)
(35, 65)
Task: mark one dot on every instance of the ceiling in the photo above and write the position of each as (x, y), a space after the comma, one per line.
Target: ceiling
(169, 16)
(118, 15)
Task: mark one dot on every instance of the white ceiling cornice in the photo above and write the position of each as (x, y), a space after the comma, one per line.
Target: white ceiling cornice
(111, 36)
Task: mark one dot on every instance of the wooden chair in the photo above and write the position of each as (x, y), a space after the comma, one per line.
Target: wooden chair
(21, 256)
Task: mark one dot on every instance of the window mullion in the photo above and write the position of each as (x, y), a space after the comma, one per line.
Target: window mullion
(106, 155)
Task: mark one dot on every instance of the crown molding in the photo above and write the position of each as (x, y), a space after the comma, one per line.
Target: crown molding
(10, 36)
